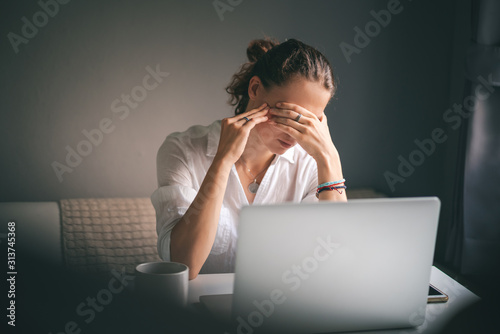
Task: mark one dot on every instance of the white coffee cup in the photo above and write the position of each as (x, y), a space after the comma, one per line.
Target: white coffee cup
(163, 282)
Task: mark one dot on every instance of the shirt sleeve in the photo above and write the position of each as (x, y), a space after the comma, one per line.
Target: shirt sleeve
(175, 191)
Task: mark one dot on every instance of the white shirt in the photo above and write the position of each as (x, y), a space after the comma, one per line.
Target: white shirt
(182, 163)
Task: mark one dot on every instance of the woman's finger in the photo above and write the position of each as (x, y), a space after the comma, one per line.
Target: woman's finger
(292, 110)
(253, 111)
(290, 123)
(255, 120)
(244, 120)
(288, 129)
(284, 113)
(257, 112)
(294, 115)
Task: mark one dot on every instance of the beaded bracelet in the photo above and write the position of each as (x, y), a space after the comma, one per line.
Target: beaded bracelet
(330, 183)
(330, 188)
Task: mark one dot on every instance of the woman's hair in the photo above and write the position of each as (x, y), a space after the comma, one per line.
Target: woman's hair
(275, 64)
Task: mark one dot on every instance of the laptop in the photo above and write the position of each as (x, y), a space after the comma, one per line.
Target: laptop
(331, 267)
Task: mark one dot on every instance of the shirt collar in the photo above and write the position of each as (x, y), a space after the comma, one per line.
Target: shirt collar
(213, 144)
(288, 155)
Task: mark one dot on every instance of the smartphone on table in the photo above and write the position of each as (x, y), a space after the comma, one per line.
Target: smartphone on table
(436, 295)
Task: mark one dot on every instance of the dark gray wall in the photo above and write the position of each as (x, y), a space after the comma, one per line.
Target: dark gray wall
(64, 80)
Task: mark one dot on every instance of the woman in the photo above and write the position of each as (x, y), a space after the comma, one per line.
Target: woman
(277, 148)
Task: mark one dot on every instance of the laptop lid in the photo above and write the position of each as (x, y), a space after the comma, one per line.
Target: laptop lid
(329, 266)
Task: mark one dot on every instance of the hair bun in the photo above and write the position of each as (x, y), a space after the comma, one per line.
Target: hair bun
(258, 48)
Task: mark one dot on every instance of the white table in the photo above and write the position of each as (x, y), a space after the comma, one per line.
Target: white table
(436, 315)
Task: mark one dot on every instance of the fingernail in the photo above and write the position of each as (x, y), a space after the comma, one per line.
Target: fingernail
(278, 104)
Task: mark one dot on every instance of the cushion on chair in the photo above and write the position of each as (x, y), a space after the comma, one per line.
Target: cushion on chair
(101, 234)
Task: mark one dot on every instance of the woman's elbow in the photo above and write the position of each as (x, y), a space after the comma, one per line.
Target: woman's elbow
(194, 270)
(193, 275)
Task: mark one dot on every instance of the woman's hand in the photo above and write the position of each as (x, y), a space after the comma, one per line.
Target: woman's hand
(235, 131)
(310, 132)
(313, 135)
